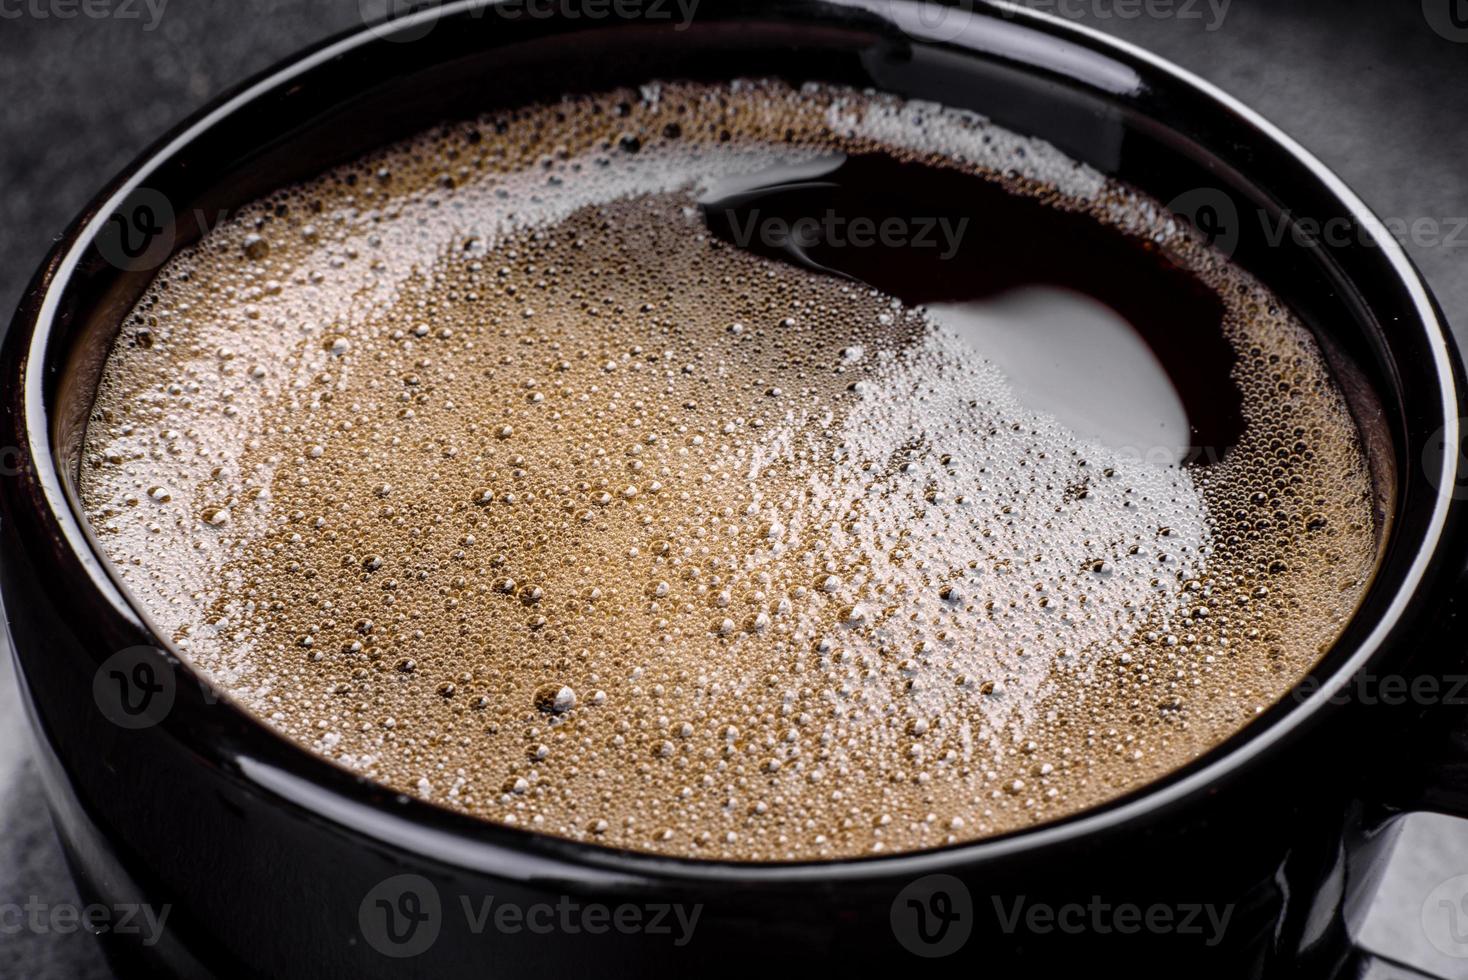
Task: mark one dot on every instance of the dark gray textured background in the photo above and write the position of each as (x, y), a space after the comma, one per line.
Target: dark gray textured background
(1367, 85)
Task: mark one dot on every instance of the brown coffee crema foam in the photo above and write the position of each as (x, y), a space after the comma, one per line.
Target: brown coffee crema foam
(481, 469)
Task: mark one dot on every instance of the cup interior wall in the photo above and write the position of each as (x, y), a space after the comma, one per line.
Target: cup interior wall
(381, 92)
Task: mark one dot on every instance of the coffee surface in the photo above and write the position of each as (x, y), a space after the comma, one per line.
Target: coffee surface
(491, 467)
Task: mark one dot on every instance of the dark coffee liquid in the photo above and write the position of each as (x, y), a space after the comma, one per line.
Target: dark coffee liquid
(935, 236)
(482, 467)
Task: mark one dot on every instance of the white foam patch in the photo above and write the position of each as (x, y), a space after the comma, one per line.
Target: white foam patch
(1051, 545)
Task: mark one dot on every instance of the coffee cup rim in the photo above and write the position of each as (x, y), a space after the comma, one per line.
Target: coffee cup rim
(329, 791)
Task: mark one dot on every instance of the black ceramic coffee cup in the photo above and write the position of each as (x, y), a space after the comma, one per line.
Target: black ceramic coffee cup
(273, 862)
